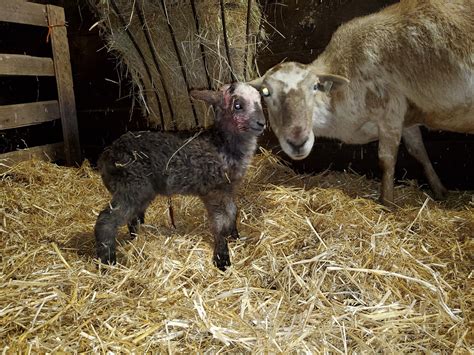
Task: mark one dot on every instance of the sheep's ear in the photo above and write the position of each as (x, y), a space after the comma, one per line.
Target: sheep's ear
(332, 82)
(215, 98)
(256, 83)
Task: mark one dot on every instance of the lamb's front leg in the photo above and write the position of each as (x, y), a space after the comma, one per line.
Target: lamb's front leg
(222, 212)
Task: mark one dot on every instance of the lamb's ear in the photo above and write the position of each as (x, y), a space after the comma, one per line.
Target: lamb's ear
(215, 98)
(332, 82)
(256, 83)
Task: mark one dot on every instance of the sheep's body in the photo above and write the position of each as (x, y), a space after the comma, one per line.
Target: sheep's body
(410, 64)
(140, 165)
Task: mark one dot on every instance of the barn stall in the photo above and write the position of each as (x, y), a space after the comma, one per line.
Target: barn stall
(320, 267)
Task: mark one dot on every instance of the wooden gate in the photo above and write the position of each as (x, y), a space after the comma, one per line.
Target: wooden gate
(59, 66)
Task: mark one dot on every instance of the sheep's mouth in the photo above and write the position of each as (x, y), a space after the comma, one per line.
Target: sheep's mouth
(299, 156)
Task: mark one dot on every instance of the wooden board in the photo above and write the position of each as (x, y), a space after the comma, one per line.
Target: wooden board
(18, 64)
(20, 11)
(48, 152)
(62, 65)
(21, 115)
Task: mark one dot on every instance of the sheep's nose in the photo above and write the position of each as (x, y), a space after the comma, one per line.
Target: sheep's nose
(296, 146)
(261, 124)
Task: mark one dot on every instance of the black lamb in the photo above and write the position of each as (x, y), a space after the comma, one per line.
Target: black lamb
(210, 164)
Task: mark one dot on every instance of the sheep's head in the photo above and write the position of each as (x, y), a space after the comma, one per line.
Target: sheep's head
(239, 108)
(297, 99)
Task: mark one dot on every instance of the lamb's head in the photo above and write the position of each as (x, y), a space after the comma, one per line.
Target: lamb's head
(298, 100)
(238, 106)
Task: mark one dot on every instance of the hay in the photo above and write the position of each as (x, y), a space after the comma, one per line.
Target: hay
(322, 268)
(170, 47)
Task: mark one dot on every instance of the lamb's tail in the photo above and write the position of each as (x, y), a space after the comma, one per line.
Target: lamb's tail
(105, 163)
(108, 169)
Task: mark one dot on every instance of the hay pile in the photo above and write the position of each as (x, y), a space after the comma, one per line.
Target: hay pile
(322, 267)
(170, 47)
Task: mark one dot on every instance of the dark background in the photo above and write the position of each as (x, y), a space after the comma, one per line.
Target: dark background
(104, 94)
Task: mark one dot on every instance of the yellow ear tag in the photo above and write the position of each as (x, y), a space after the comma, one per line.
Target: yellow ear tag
(265, 92)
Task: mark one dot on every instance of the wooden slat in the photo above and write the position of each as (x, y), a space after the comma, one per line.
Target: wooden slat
(48, 152)
(18, 11)
(21, 115)
(18, 64)
(62, 65)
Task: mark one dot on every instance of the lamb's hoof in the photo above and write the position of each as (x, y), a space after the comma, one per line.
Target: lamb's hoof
(222, 261)
(106, 256)
(235, 236)
(133, 230)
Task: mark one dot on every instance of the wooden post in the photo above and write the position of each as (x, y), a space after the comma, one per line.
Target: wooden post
(62, 67)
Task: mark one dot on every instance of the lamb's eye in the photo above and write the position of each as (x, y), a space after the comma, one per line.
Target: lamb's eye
(237, 106)
(265, 92)
(318, 87)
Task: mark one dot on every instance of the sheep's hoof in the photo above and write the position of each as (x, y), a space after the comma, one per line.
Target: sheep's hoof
(440, 194)
(222, 261)
(387, 203)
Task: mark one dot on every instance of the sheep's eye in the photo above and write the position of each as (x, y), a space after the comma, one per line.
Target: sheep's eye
(318, 87)
(265, 92)
(237, 106)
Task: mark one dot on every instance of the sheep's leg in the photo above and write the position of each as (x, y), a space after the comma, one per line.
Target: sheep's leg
(414, 143)
(222, 212)
(390, 133)
(388, 149)
(134, 224)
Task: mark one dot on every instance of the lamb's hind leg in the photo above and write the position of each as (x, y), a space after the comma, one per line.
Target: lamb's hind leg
(127, 206)
(141, 200)
(110, 219)
(414, 143)
(134, 224)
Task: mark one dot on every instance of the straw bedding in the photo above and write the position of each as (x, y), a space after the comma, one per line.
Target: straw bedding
(322, 267)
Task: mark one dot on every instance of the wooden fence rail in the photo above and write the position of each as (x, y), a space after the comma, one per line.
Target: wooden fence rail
(64, 108)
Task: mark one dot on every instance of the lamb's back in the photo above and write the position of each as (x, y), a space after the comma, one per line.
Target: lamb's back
(174, 163)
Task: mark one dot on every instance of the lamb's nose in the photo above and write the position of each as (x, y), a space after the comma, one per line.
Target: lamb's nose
(296, 146)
